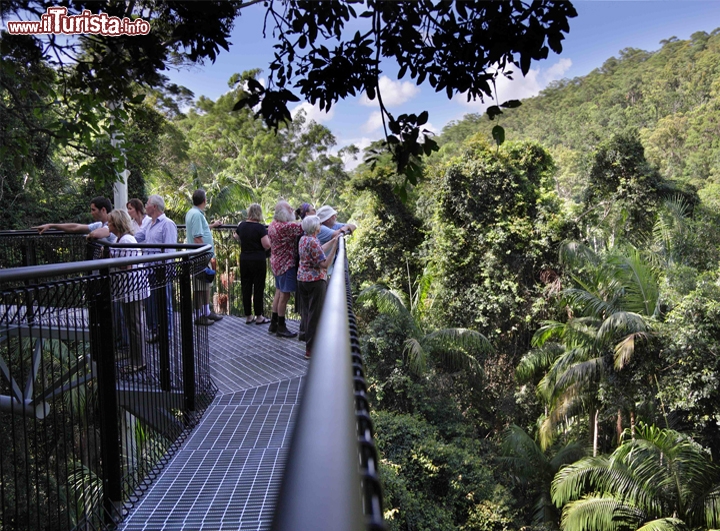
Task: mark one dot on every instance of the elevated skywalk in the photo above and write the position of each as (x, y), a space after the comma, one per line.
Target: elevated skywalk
(227, 473)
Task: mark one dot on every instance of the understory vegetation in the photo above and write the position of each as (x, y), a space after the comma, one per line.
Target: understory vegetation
(540, 320)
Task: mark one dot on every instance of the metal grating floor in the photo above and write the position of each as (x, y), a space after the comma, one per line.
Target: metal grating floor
(226, 476)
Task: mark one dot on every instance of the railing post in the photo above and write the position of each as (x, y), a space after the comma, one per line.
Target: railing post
(163, 326)
(186, 325)
(101, 348)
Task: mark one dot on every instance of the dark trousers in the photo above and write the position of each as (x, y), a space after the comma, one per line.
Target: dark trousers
(252, 281)
(312, 295)
(133, 316)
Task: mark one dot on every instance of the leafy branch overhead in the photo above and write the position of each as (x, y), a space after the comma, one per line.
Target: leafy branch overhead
(457, 47)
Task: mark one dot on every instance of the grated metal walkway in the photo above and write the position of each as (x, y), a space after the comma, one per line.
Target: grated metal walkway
(226, 476)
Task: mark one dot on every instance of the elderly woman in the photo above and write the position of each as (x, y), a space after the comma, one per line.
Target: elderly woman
(312, 276)
(132, 288)
(283, 233)
(254, 240)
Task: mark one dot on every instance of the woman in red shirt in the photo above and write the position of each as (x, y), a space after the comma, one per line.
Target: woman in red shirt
(312, 276)
(283, 233)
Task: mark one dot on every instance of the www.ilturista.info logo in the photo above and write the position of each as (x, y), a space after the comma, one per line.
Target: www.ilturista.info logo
(58, 22)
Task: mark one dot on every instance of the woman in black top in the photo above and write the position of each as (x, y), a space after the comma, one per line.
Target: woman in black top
(254, 240)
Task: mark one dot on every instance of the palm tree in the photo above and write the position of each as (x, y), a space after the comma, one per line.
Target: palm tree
(611, 308)
(453, 345)
(657, 479)
(531, 466)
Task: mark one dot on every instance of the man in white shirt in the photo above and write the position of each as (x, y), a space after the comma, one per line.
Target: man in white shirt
(161, 230)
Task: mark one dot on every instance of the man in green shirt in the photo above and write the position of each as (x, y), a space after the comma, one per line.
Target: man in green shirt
(198, 231)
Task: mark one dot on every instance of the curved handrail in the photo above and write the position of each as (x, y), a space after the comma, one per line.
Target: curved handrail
(51, 270)
(324, 485)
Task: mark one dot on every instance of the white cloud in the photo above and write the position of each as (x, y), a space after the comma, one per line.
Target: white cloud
(349, 162)
(373, 123)
(520, 87)
(557, 71)
(393, 92)
(313, 112)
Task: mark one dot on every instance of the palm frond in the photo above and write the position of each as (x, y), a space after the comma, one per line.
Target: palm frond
(641, 289)
(625, 349)
(567, 405)
(458, 338)
(620, 324)
(602, 474)
(228, 197)
(576, 255)
(549, 330)
(599, 513)
(568, 454)
(517, 443)
(386, 301)
(706, 509)
(585, 372)
(456, 345)
(663, 524)
(544, 513)
(589, 302)
(416, 354)
(537, 361)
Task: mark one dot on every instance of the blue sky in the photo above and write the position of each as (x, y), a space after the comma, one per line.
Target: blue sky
(601, 29)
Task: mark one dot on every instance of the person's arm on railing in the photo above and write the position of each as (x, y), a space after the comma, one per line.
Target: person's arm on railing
(99, 234)
(73, 228)
(329, 249)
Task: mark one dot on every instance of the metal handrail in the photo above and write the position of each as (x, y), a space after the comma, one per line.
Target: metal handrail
(324, 485)
(49, 270)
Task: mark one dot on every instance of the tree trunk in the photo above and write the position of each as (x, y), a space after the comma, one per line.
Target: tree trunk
(632, 424)
(595, 432)
(619, 427)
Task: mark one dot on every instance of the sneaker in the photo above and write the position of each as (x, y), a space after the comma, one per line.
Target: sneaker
(301, 336)
(215, 317)
(307, 354)
(273, 328)
(204, 321)
(284, 332)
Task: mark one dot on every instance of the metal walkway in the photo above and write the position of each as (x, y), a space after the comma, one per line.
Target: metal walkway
(226, 476)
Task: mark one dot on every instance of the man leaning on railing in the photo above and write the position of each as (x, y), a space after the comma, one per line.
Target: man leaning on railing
(100, 208)
(197, 230)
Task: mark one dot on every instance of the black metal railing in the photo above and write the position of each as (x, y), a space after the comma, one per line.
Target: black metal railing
(331, 476)
(91, 406)
(22, 248)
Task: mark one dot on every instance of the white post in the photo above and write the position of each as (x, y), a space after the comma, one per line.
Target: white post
(120, 187)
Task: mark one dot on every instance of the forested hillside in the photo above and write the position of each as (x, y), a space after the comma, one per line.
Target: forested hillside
(585, 250)
(669, 99)
(540, 320)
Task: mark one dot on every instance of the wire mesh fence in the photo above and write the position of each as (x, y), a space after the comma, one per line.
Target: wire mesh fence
(93, 399)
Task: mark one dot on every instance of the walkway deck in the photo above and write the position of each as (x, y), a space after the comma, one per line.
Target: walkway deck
(227, 474)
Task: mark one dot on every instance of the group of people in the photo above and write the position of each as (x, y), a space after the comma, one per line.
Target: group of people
(147, 224)
(302, 243)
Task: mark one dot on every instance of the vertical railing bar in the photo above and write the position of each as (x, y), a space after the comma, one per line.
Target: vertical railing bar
(101, 320)
(186, 326)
